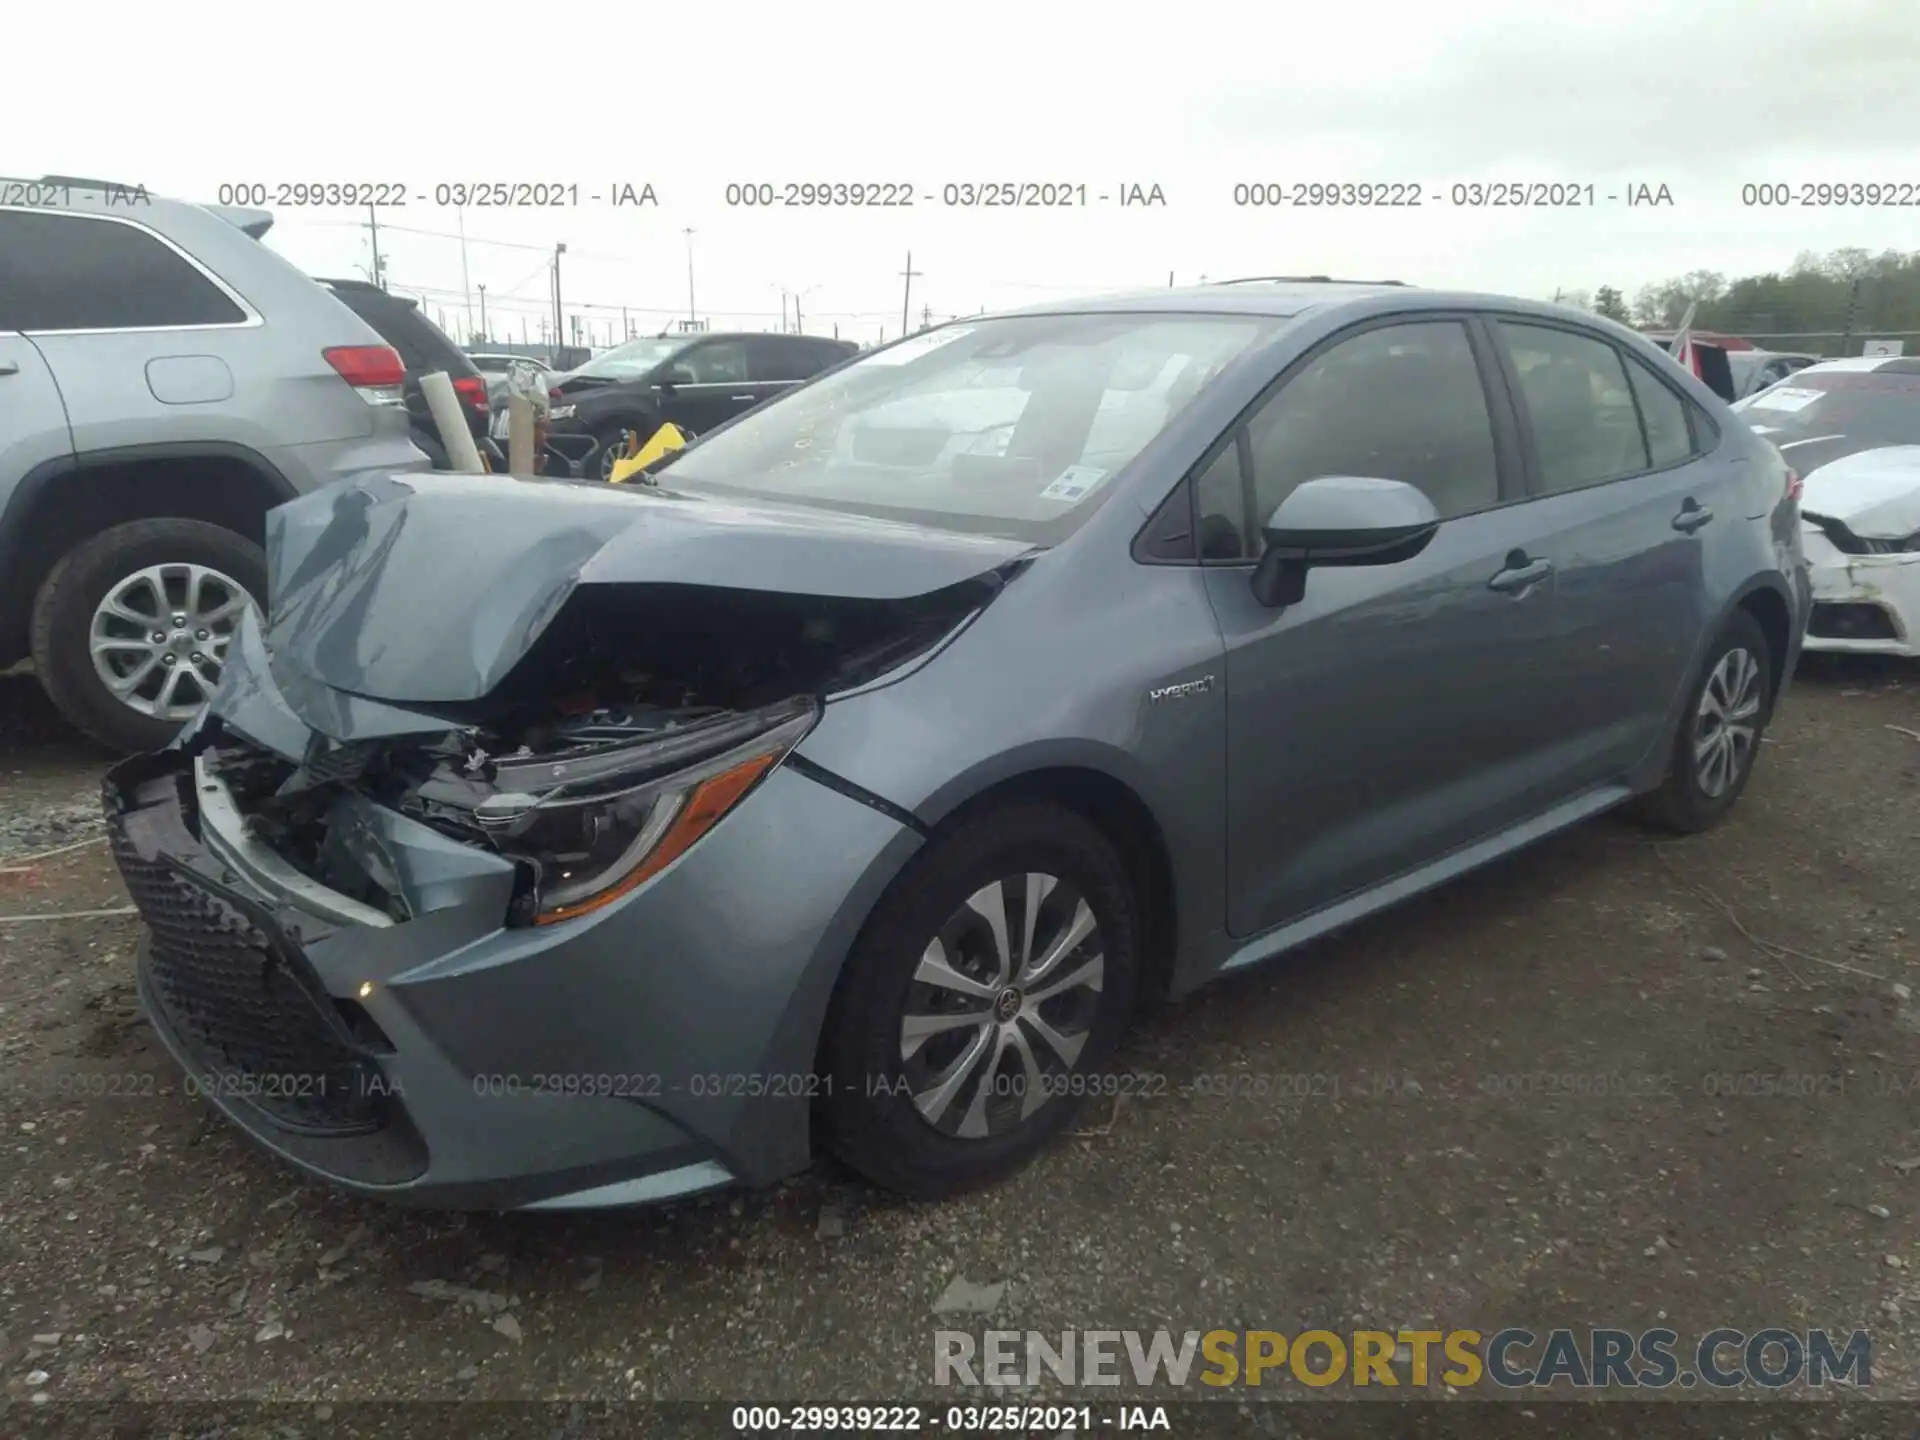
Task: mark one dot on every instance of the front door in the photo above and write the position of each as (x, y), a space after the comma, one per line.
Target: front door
(717, 384)
(1393, 714)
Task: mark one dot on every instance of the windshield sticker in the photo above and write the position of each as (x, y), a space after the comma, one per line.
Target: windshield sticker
(1785, 397)
(1076, 482)
(915, 346)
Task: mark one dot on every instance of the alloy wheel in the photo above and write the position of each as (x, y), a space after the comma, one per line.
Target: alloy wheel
(159, 637)
(1727, 723)
(1001, 1004)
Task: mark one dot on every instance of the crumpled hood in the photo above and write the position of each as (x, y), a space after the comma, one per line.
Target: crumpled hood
(427, 588)
(1874, 492)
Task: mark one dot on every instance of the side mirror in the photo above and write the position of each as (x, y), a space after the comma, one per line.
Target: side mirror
(673, 375)
(1340, 520)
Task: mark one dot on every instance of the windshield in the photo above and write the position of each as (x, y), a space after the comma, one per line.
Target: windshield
(1011, 426)
(1871, 404)
(631, 360)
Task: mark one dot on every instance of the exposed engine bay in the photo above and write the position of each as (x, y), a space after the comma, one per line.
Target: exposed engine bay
(640, 715)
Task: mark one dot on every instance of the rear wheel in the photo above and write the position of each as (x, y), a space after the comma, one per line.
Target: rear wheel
(1720, 732)
(991, 985)
(131, 627)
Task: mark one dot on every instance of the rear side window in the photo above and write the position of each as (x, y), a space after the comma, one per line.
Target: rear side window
(1664, 416)
(422, 345)
(778, 357)
(77, 272)
(1586, 429)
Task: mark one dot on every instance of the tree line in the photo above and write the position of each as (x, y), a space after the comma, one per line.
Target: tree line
(1822, 299)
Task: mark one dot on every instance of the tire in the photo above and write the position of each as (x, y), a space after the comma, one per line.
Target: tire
(597, 464)
(873, 1110)
(1696, 794)
(66, 609)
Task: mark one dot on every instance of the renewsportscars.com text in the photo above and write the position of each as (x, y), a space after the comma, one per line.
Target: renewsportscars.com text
(1509, 1359)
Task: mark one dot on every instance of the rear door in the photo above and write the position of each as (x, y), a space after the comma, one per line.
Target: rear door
(1395, 713)
(145, 344)
(781, 362)
(33, 418)
(1630, 487)
(33, 431)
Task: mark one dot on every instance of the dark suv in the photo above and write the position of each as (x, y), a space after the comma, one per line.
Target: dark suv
(697, 382)
(424, 348)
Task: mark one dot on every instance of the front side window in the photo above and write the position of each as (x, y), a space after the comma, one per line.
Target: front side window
(724, 362)
(1013, 426)
(1400, 402)
(77, 272)
(1586, 429)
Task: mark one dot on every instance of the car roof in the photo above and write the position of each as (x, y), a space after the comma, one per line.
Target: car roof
(1859, 364)
(1293, 299)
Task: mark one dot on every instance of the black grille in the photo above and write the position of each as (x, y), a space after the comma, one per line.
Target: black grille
(234, 998)
(1850, 622)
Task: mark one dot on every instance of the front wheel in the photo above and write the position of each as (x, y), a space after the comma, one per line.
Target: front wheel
(1720, 731)
(990, 986)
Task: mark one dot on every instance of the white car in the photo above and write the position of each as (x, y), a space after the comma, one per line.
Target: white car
(1851, 428)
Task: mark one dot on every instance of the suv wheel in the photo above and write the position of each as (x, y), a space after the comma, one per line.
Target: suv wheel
(609, 446)
(130, 628)
(992, 983)
(1720, 731)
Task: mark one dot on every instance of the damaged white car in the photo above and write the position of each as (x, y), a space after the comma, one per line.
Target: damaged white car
(1851, 429)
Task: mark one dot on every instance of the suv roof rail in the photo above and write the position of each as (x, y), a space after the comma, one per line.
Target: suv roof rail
(78, 182)
(1302, 280)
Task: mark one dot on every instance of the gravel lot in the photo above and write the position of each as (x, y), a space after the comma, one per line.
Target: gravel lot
(1440, 1177)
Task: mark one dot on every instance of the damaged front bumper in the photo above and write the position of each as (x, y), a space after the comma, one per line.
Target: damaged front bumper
(1867, 604)
(431, 1050)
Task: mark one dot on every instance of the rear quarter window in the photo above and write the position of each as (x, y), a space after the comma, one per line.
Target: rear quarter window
(81, 272)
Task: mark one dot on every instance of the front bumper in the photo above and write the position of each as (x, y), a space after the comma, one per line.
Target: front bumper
(662, 1046)
(1863, 604)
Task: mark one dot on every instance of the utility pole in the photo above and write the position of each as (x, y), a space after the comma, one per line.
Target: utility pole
(1169, 279)
(692, 317)
(466, 283)
(373, 227)
(484, 332)
(798, 328)
(836, 329)
(626, 329)
(1853, 310)
(783, 312)
(559, 327)
(926, 316)
(906, 298)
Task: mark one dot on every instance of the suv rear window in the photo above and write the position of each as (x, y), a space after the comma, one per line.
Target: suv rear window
(422, 344)
(84, 272)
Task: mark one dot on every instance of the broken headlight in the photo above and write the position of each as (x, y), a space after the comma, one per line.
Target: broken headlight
(596, 825)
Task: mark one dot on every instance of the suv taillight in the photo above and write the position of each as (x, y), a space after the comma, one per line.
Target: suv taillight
(473, 390)
(376, 371)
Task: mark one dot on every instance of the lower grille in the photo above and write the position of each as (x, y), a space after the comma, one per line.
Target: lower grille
(1850, 622)
(233, 996)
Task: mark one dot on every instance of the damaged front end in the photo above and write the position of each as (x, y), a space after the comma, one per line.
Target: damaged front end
(630, 728)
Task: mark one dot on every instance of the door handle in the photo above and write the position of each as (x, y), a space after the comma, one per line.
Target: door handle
(1691, 517)
(9, 367)
(1520, 575)
(745, 397)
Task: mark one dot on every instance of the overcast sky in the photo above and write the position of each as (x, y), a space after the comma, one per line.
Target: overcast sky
(1701, 97)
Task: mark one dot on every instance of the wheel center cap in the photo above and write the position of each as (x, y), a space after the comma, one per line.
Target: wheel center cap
(1008, 1004)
